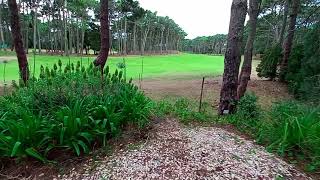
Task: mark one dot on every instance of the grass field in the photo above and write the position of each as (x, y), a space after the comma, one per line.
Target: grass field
(184, 65)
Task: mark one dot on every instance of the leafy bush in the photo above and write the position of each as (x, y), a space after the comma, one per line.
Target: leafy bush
(183, 109)
(292, 75)
(304, 67)
(247, 115)
(294, 129)
(248, 107)
(69, 110)
(269, 62)
(289, 128)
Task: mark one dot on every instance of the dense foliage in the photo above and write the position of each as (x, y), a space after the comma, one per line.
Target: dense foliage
(303, 73)
(269, 63)
(289, 128)
(184, 109)
(69, 108)
(206, 44)
(303, 70)
(72, 27)
(248, 114)
(293, 129)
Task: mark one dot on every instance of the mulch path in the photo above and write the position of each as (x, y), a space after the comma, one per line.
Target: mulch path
(174, 151)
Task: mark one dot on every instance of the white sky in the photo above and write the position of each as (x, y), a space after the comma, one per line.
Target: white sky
(196, 17)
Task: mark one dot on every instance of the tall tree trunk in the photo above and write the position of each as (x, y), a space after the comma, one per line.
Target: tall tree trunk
(82, 36)
(65, 29)
(104, 35)
(125, 39)
(289, 40)
(49, 47)
(167, 39)
(161, 41)
(284, 21)
(247, 63)
(34, 27)
(134, 37)
(228, 95)
(70, 33)
(145, 35)
(77, 35)
(118, 37)
(27, 37)
(1, 27)
(39, 40)
(17, 40)
(61, 32)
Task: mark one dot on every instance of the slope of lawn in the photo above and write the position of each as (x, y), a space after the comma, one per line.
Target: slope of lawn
(184, 65)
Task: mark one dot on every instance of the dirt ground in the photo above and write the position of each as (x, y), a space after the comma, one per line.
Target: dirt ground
(7, 58)
(267, 91)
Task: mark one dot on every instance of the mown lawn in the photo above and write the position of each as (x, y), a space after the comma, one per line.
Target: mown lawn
(183, 65)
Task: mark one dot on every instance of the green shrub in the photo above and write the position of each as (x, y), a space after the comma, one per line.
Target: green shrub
(69, 110)
(247, 117)
(269, 62)
(293, 75)
(304, 67)
(162, 109)
(248, 107)
(294, 129)
(183, 109)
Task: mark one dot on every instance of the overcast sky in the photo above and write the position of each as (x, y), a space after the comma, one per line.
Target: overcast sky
(196, 17)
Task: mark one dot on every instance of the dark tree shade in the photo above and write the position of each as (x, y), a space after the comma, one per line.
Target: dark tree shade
(228, 94)
(104, 35)
(289, 40)
(17, 40)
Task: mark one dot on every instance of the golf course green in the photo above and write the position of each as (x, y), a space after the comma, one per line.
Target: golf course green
(182, 65)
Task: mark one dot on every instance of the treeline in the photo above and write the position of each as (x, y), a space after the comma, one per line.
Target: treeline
(286, 33)
(288, 36)
(72, 27)
(206, 44)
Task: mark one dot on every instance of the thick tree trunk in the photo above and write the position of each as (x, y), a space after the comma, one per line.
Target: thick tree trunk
(1, 27)
(228, 95)
(17, 40)
(27, 38)
(284, 21)
(247, 63)
(104, 35)
(289, 40)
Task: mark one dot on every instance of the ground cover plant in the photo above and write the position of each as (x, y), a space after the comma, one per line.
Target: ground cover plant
(153, 66)
(289, 128)
(69, 108)
(186, 110)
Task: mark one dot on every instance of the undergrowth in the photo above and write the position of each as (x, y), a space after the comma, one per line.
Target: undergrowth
(185, 110)
(289, 128)
(69, 108)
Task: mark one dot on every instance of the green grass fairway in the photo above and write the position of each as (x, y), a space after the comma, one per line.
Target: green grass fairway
(180, 65)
